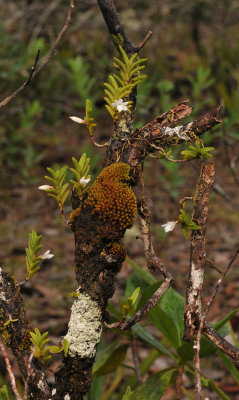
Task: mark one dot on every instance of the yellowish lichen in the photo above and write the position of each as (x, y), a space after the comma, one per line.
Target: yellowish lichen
(111, 198)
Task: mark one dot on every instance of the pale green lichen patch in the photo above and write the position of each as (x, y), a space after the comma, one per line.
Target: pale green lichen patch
(84, 327)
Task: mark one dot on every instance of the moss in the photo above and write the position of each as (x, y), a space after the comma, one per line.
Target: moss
(111, 197)
(26, 342)
(74, 214)
(118, 251)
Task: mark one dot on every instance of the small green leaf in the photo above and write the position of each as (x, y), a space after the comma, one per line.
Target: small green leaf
(197, 151)
(145, 275)
(55, 349)
(108, 359)
(186, 223)
(4, 393)
(229, 365)
(96, 389)
(150, 339)
(32, 258)
(65, 345)
(59, 191)
(40, 343)
(128, 394)
(156, 385)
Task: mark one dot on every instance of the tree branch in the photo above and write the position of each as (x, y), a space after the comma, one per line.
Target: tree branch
(193, 307)
(115, 26)
(14, 324)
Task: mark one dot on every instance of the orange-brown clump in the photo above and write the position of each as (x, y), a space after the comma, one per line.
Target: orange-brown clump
(111, 198)
(75, 214)
(118, 251)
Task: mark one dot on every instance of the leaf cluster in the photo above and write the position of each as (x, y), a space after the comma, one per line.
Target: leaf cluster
(80, 171)
(121, 84)
(59, 191)
(128, 306)
(40, 342)
(186, 223)
(4, 393)
(197, 151)
(42, 351)
(32, 258)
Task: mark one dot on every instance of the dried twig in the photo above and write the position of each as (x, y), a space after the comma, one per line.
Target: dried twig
(28, 375)
(154, 263)
(204, 328)
(9, 370)
(34, 72)
(136, 359)
(33, 68)
(193, 305)
(179, 378)
(144, 41)
(221, 343)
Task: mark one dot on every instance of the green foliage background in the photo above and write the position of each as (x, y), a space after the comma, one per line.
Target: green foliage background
(193, 54)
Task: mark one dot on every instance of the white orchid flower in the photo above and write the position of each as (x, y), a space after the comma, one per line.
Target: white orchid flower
(169, 226)
(84, 181)
(120, 105)
(45, 187)
(78, 120)
(47, 255)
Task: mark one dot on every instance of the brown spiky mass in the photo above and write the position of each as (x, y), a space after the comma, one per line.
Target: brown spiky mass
(111, 198)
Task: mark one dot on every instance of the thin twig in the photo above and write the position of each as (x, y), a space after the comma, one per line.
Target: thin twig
(144, 41)
(154, 263)
(200, 330)
(136, 360)
(160, 149)
(9, 370)
(28, 375)
(33, 68)
(179, 378)
(230, 162)
(221, 343)
(50, 55)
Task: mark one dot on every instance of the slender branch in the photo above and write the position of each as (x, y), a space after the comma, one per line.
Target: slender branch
(9, 370)
(136, 360)
(204, 328)
(221, 343)
(163, 133)
(17, 335)
(144, 41)
(33, 68)
(230, 161)
(154, 263)
(115, 26)
(179, 379)
(34, 72)
(28, 375)
(193, 307)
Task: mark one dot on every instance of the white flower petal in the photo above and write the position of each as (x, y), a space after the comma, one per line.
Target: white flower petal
(47, 255)
(169, 226)
(84, 181)
(78, 120)
(120, 105)
(45, 187)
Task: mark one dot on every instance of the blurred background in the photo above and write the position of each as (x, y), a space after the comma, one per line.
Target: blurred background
(193, 54)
